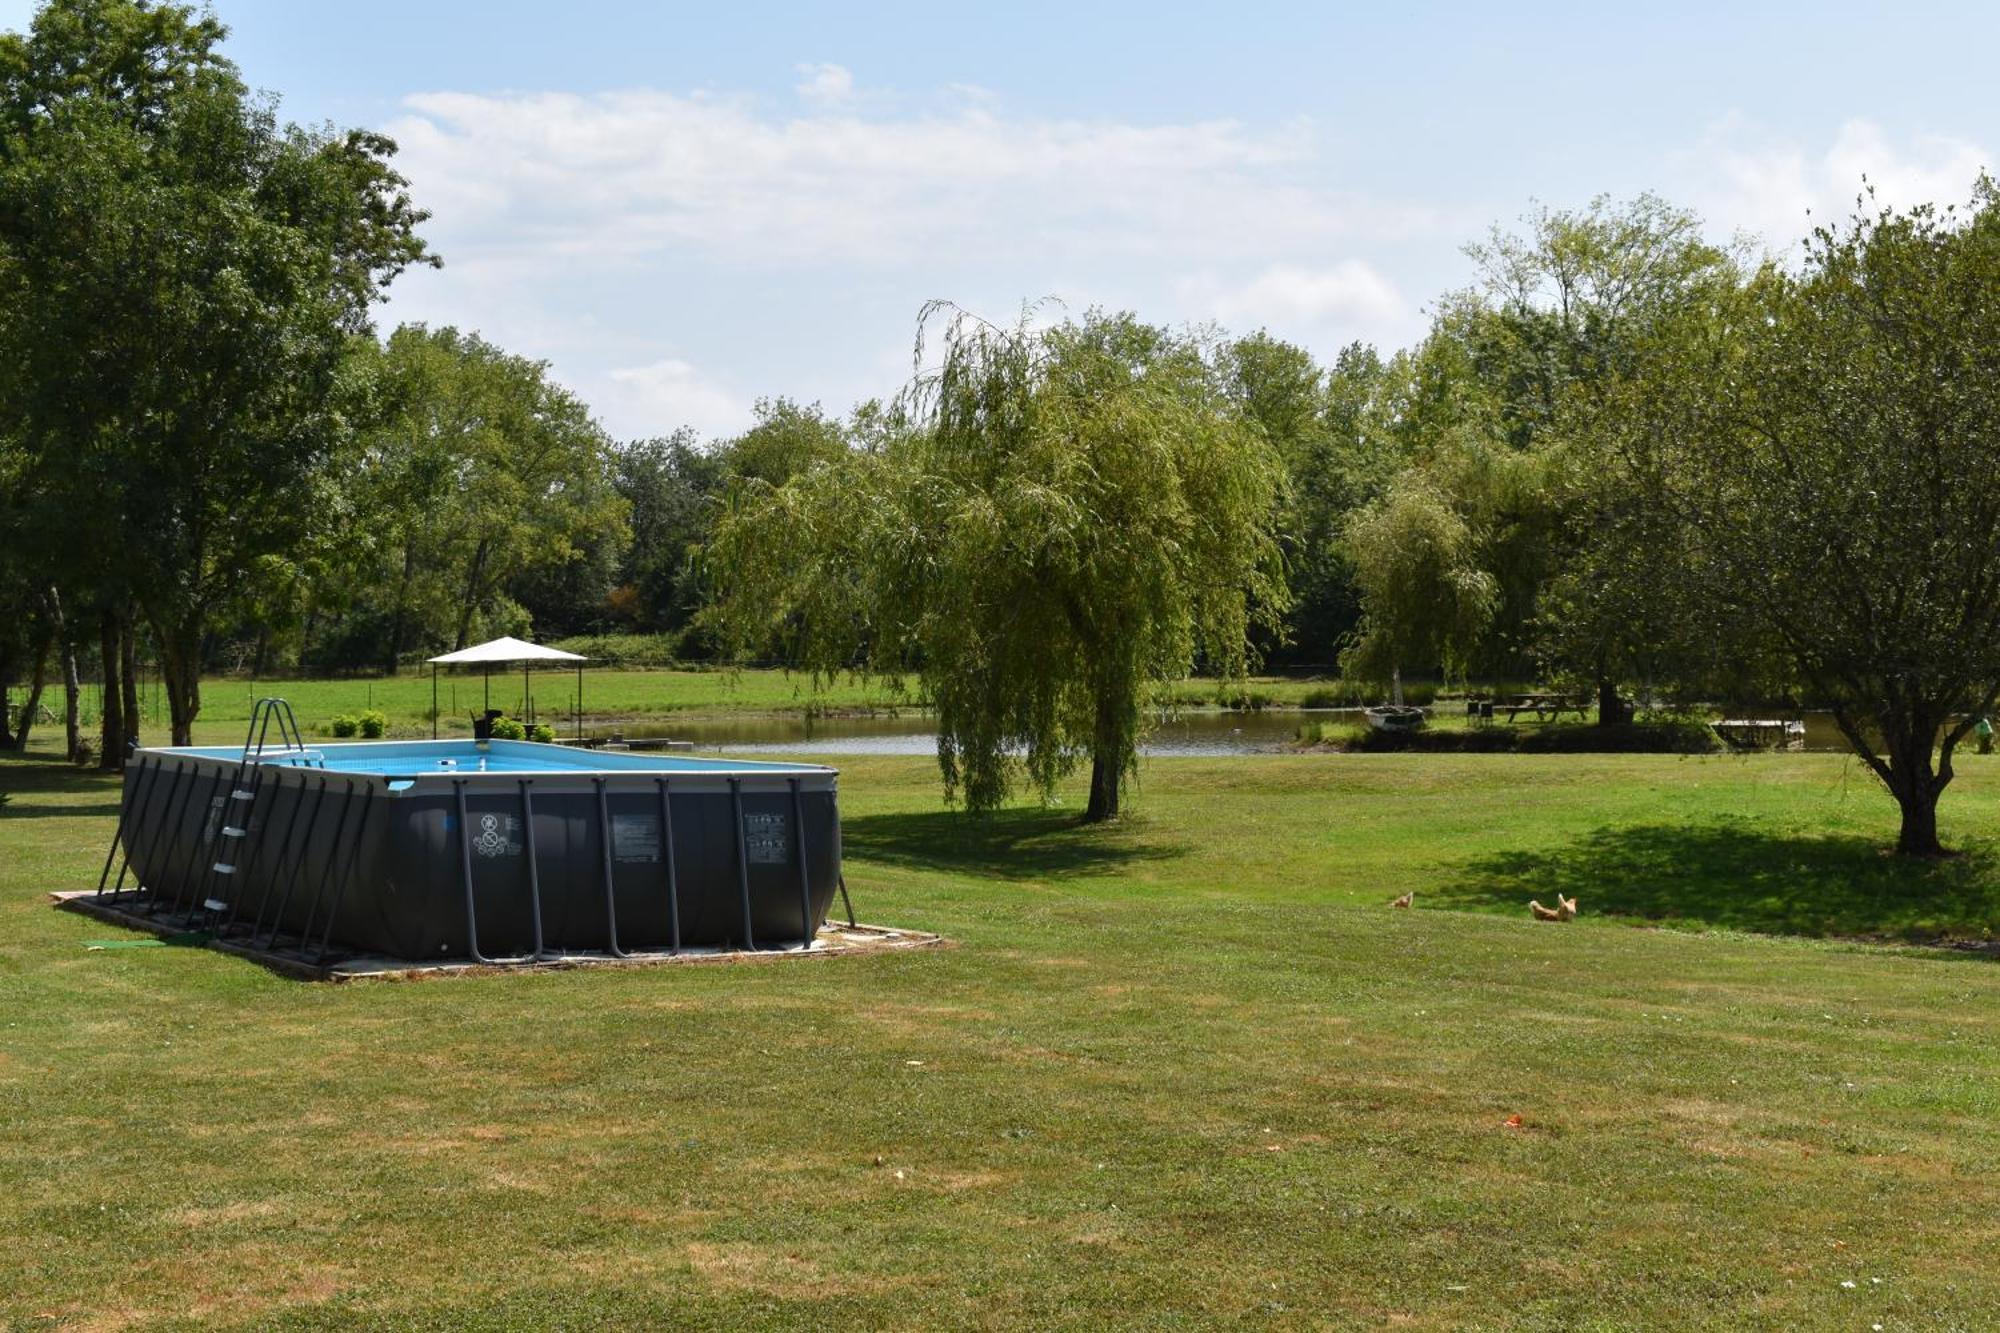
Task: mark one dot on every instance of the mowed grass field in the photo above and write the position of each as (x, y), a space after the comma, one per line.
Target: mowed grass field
(1184, 1071)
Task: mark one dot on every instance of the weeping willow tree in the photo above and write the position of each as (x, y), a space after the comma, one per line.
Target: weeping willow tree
(1426, 594)
(1068, 519)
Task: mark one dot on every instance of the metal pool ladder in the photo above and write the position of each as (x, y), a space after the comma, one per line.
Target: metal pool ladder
(237, 818)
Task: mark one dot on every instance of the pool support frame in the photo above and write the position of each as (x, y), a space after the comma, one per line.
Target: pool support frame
(193, 865)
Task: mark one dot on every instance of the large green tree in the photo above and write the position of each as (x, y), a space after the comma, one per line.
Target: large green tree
(1830, 443)
(1489, 426)
(1069, 516)
(477, 474)
(179, 277)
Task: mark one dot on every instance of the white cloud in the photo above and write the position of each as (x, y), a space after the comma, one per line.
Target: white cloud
(1745, 179)
(673, 255)
(1339, 301)
(660, 397)
(626, 176)
(827, 84)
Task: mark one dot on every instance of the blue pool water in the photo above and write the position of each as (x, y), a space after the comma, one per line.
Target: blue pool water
(408, 759)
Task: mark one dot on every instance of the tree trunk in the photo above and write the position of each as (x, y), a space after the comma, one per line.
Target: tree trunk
(111, 731)
(180, 674)
(128, 656)
(1110, 756)
(1610, 708)
(72, 688)
(1919, 835)
(1915, 785)
(7, 717)
(472, 583)
(36, 684)
(402, 615)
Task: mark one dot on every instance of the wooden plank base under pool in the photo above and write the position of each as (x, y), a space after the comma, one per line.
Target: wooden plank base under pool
(834, 940)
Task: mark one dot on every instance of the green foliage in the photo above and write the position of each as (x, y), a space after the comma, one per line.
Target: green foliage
(509, 729)
(542, 733)
(180, 276)
(672, 487)
(345, 725)
(1076, 513)
(787, 440)
(1416, 563)
(479, 474)
(1826, 441)
(373, 724)
(623, 650)
(1659, 736)
(1496, 542)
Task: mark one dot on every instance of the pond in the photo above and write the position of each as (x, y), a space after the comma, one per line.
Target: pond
(1191, 734)
(1202, 733)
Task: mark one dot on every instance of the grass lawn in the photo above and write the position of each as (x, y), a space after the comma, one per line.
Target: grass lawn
(1186, 1070)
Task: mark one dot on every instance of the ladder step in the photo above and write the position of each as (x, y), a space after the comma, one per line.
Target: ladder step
(216, 905)
(240, 795)
(231, 831)
(221, 868)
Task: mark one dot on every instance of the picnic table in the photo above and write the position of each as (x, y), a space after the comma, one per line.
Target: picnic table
(1547, 706)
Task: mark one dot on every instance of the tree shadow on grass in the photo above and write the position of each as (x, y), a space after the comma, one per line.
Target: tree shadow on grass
(1006, 844)
(37, 776)
(1737, 876)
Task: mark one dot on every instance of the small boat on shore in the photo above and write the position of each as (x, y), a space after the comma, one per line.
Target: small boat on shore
(1395, 717)
(1747, 733)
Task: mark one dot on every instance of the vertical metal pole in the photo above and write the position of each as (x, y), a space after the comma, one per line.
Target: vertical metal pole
(140, 784)
(534, 871)
(298, 864)
(610, 894)
(667, 859)
(340, 887)
(465, 874)
(805, 891)
(143, 822)
(742, 860)
(171, 833)
(326, 870)
(150, 833)
(434, 701)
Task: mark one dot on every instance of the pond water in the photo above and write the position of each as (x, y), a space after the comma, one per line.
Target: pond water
(1190, 734)
(1205, 733)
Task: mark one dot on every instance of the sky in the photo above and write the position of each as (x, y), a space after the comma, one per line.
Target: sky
(686, 208)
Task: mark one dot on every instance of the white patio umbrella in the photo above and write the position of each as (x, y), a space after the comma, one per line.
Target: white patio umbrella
(506, 649)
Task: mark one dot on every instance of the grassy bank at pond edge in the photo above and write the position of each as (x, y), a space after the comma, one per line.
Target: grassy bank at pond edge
(1186, 1062)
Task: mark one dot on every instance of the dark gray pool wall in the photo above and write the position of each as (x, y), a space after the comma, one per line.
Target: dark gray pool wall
(344, 858)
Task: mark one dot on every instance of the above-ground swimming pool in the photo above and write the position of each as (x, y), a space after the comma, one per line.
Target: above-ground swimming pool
(481, 851)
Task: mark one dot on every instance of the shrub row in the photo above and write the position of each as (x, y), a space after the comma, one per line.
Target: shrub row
(1657, 736)
(372, 724)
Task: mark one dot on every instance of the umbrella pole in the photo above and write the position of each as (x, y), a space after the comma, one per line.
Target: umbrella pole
(434, 701)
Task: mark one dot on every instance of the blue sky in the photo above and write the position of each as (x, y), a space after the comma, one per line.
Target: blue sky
(684, 208)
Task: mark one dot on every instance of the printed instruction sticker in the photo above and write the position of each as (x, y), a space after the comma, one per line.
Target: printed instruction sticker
(765, 840)
(635, 837)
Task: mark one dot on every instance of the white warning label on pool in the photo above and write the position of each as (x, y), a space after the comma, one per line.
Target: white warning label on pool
(765, 841)
(496, 835)
(635, 837)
